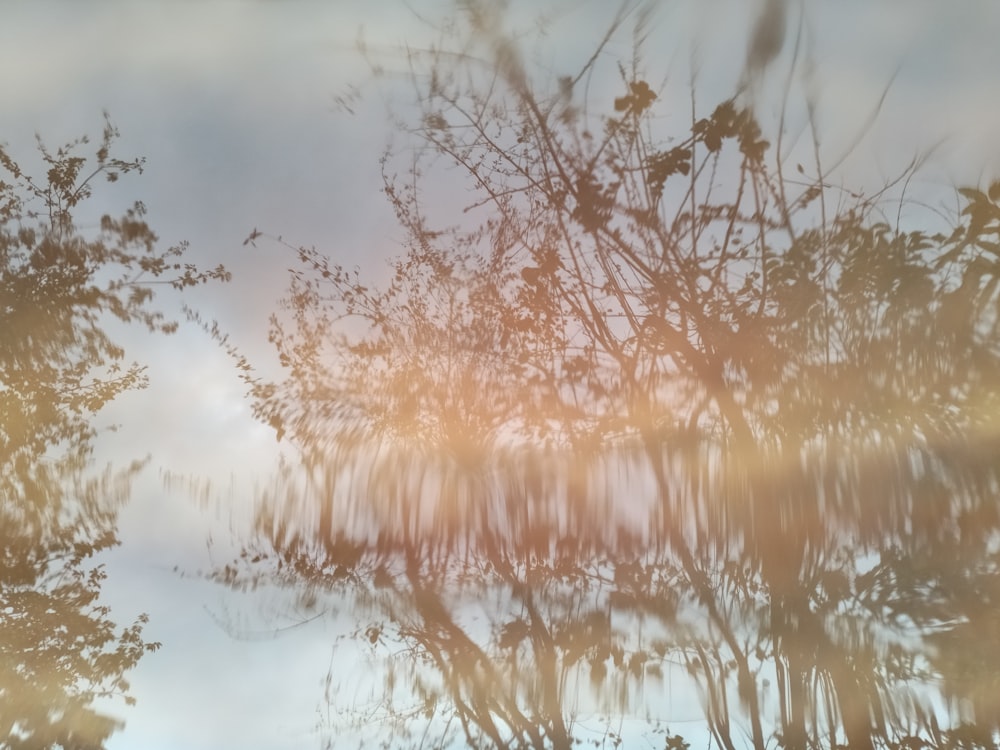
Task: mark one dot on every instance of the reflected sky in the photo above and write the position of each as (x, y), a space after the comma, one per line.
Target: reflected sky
(240, 110)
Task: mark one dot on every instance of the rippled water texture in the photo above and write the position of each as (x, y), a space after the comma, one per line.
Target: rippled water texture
(655, 432)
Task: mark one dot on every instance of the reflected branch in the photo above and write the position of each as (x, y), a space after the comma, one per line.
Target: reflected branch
(648, 380)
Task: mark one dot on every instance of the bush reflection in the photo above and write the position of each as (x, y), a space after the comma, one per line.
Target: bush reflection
(660, 422)
(61, 295)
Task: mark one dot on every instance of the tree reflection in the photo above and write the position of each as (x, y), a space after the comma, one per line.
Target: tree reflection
(59, 290)
(665, 411)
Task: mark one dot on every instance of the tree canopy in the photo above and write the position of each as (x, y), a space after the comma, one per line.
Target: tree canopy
(647, 377)
(60, 289)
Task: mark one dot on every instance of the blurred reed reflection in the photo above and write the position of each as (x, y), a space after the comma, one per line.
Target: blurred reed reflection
(517, 598)
(662, 424)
